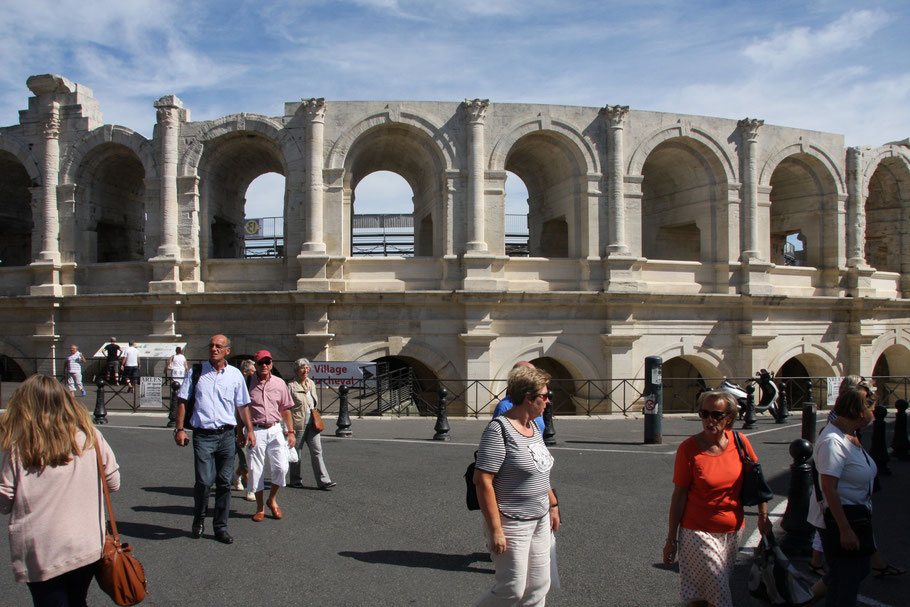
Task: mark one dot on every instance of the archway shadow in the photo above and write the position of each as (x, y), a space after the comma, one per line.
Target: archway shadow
(175, 491)
(427, 560)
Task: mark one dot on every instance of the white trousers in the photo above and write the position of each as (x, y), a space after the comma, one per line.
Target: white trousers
(74, 381)
(269, 442)
(523, 570)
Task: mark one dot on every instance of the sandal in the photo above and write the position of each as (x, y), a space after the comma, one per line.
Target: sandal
(888, 571)
(818, 570)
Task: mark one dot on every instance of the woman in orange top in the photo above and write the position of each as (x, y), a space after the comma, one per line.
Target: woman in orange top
(706, 514)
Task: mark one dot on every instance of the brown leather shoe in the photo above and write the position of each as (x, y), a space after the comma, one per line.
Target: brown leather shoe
(258, 516)
(276, 511)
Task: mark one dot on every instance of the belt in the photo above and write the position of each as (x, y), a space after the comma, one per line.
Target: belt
(263, 426)
(218, 430)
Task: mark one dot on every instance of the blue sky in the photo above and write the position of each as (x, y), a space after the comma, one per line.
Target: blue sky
(827, 65)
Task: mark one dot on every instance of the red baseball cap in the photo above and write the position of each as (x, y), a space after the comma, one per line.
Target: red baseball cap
(261, 354)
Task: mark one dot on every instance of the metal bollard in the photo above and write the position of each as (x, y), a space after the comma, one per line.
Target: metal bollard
(344, 420)
(749, 417)
(549, 432)
(654, 400)
(879, 451)
(100, 410)
(798, 538)
(442, 420)
(783, 412)
(808, 429)
(900, 445)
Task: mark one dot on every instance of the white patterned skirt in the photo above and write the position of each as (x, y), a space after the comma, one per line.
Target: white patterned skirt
(706, 563)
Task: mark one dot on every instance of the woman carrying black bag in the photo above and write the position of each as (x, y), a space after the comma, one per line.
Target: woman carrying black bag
(844, 516)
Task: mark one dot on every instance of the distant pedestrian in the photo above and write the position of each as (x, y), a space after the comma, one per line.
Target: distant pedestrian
(706, 511)
(49, 486)
(74, 363)
(113, 353)
(241, 477)
(303, 391)
(220, 398)
(177, 368)
(513, 488)
(130, 366)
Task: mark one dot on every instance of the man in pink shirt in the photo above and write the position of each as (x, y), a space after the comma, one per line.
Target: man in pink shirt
(270, 403)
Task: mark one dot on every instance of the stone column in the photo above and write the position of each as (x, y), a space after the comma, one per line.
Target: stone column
(616, 237)
(50, 248)
(749, 127)
(168, 135)
(475, 110)
(856, 211)
(315, 113)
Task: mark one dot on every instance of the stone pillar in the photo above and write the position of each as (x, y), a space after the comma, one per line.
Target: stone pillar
(616, 238)
(750, 247)
(166, 264)
(47, 265)
(859, 273)
(315, 113)
(475, 110)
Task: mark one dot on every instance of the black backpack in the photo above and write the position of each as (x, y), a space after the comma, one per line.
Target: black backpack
(471, 494)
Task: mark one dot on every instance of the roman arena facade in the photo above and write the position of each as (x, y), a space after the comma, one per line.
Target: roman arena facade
(649, 234)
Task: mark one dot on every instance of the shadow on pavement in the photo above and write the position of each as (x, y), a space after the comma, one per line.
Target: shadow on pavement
(149, 532)
(175, 491)
(427, 560)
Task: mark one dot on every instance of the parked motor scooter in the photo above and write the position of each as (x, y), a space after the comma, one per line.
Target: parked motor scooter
(769, 393)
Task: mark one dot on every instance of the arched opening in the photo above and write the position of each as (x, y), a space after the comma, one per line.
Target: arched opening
(10, 371)
(516, 235)
(682, 383)
(383, 222)
(888, 197)
(263, 222)
(229, 165)
(889, 373)
(803, 200)
(416, 159)
(562, 384)
(15, 212)
(406, 386)
(803, 379)
(682, 184)
(552, 170)
(110, 201)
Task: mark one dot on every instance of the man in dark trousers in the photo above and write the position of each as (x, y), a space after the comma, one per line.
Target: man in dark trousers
(113, 352)
(220, 398)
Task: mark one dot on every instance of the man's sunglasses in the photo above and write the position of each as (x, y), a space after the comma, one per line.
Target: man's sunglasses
(715, 415)
(265, 361)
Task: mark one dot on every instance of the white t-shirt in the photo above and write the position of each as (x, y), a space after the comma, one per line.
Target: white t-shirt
(74, 362)
(178, 366)
(131, 357)
(851, 465)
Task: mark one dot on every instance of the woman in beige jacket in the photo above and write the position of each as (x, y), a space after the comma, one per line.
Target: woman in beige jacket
(49, 484)
(303, 391)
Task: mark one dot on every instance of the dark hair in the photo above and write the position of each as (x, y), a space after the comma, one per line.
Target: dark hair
(851, 403)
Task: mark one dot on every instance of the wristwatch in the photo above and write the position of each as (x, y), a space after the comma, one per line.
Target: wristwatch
(176, 430)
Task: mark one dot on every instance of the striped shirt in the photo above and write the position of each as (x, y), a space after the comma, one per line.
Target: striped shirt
(521, 468)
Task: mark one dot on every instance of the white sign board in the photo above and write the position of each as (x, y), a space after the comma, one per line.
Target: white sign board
(650, 407)
(148, 349)
(150, 391)
(833, 387)
(342, 373)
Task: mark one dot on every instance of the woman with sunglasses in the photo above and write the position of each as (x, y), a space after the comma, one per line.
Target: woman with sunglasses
(513, 488)
(706, 513)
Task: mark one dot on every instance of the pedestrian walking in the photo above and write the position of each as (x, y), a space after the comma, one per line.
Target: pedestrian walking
(74, 363)
(303, 391)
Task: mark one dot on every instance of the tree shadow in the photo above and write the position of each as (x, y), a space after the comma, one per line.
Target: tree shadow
(427, 560)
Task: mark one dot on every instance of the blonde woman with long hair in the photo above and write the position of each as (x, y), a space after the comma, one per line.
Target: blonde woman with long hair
(50, 487)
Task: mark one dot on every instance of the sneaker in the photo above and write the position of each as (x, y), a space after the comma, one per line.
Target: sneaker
(83, 393)
(236, 483)
(250, 496)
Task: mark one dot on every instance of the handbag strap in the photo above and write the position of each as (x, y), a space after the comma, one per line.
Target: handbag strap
(743, 456)
(107, 496)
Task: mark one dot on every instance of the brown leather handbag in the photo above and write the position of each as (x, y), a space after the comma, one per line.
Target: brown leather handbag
(119, 573)
(318, 424)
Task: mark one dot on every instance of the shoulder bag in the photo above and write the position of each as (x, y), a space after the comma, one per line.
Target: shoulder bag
(316, 417)
(755, 489)
(471, 489)
(119, 573)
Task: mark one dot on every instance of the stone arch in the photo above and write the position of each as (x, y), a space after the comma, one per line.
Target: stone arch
(580, 146)
(17, 208)
(684, 379)
(409, 147)
(886, 191)
(110, 133)
(411, 348)
(806, 190)
(819, 359)
(18, 357)
(292, 154)
(894, 345)
(577, 362)
(684, 215)
(641, 153)
(23, 153)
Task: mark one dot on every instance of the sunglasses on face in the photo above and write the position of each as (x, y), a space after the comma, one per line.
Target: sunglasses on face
(545, 395)
(265, 361)
(715, 415)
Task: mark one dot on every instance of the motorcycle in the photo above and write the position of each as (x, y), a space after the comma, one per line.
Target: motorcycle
(769, 394)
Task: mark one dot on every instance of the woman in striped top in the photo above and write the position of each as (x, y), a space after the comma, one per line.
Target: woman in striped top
(513, 488)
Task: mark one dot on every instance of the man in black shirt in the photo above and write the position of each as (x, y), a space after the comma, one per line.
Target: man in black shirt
(113, 352)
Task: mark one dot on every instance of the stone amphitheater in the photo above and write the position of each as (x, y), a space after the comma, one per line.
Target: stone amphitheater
(723, 246)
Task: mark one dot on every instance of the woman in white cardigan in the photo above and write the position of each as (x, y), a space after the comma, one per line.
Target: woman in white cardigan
(49, 484)
(303, 392)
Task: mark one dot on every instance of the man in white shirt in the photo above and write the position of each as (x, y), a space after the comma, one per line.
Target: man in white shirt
(74, 364)
(177, 368)
(129, 364)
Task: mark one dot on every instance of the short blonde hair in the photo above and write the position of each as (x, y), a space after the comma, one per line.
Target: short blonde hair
(523, 381)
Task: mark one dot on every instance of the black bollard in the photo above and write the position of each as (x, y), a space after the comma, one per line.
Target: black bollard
(442, 420)
(549, 432)
(900, 445)
(654, 400)
(808, 428)
(783, 412)
(344, 420)
(750, 418)
(100, 409)
(798, 539)
(879, 451)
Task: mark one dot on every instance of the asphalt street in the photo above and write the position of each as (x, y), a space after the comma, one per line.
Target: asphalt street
(395, 530)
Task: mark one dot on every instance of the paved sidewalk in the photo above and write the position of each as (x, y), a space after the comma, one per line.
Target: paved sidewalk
(395, 531)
